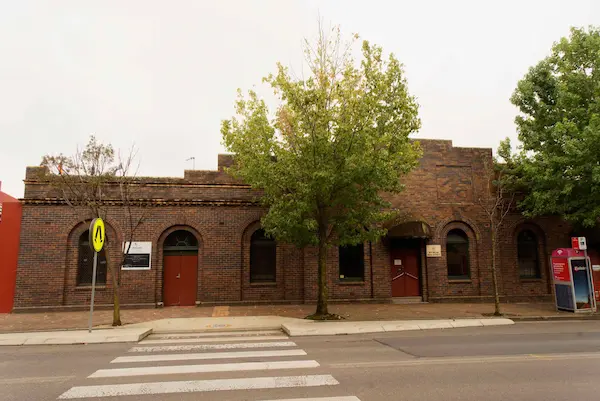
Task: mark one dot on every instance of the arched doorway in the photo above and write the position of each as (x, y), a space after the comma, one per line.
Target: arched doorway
(180, 269)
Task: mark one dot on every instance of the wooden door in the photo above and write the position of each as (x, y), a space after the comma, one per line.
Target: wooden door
(171, 280)
(405, 273)
(188, 283)
(180, 280)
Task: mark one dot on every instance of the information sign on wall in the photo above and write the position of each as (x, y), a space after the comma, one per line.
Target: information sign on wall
(433, 251)
(139, 256)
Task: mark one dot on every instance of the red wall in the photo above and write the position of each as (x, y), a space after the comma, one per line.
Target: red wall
(10, 231)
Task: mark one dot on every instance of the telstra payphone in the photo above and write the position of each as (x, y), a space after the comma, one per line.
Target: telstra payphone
(573, 280)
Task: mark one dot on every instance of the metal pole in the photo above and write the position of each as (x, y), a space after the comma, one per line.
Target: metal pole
(93, 291)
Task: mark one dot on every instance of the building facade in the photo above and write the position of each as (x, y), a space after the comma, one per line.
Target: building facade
(200, 243)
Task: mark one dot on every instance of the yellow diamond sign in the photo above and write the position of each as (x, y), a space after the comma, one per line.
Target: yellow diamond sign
(97, 234)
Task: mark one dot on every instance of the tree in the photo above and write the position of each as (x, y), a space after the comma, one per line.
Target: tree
(90, 182)
(338, 140)
(497, 200)
(559, 127)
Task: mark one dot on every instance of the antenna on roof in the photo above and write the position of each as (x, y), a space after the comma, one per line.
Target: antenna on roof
(193, 159)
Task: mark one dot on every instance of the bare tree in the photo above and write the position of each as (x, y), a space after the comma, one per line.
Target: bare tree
(91, 182)
(496, 200)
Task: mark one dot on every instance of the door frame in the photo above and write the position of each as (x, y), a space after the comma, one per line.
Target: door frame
(170, 251)
(416, 244)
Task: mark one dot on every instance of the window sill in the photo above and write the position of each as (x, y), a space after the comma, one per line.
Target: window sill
(459, 281)
(351, 282)
(530, 280)
(89, 287)
(268, 284)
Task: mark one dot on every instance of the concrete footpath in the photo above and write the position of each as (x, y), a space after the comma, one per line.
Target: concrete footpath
(97, 336)
(291, 326)
(78, 320)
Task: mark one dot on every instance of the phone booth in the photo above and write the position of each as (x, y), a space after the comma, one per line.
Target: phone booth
(573, 280)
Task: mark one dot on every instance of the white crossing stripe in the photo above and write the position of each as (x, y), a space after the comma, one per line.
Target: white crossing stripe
(204, 368)
(350, 398)
(170, 348)
(208, 355)
(212, 340)
(215, 334)
(113, 390)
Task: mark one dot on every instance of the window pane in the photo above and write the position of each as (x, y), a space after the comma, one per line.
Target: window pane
(527, 255)
(263, 258)
(85, 265)
(352, 262)
(457, 255)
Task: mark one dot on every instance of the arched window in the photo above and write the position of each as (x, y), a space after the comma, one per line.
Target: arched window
(457, 255)
(180, 242)
(527, 255)
(352, 262)
(263, 258)
(85, 262)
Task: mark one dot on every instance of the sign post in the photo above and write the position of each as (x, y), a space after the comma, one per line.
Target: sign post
(97, 237)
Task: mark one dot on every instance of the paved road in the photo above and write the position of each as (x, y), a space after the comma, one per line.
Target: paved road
(529, 361)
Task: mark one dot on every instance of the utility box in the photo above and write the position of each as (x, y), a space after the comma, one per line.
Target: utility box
(573, 280)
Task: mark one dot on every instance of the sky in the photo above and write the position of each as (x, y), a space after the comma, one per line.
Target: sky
(162, 75)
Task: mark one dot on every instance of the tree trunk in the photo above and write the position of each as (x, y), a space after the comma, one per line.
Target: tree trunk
(495, 276)
(322, 273)
(116, 303)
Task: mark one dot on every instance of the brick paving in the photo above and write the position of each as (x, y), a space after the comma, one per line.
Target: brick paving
(353, 312)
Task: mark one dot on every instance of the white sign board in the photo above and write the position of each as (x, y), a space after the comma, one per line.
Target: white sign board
(433, 251)
(582, 244)
(397, 262)
(139, 256)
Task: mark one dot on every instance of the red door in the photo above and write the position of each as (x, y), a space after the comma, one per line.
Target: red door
(405, 273)
(180, 280)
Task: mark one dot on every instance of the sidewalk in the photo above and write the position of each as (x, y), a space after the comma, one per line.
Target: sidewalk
(352, 312)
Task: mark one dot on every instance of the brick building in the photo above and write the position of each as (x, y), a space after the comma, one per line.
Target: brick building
(201, 243)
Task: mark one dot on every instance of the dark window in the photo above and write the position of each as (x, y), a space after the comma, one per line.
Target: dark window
(527, 254)
(352, 262)
(457, 255)
(85, 265)
(263, 258)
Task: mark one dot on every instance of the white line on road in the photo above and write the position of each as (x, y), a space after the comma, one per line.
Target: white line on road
(208, 355)
(213, 340)
(466, 360)
(27, 380)
(350, 398)
(205, 368)
(170, 348)
(216, 334)
(112, 390)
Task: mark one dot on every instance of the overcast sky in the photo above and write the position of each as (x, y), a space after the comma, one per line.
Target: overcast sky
(163, 74)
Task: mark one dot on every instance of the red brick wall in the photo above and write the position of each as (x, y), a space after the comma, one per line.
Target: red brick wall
(442, 192)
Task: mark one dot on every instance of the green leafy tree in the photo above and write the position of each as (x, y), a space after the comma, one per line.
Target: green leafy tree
(559, 127)
(92, 181)
(337, 142)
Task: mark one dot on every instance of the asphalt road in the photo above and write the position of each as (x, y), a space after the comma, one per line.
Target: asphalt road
(528, 361)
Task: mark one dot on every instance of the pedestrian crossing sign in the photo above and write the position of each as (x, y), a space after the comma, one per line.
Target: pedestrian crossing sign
(97, 234)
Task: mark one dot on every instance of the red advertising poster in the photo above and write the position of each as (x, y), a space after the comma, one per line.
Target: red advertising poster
(560, 268)
(574, 242)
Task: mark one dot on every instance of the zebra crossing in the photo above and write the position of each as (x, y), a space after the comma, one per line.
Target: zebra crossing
(218, 355)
